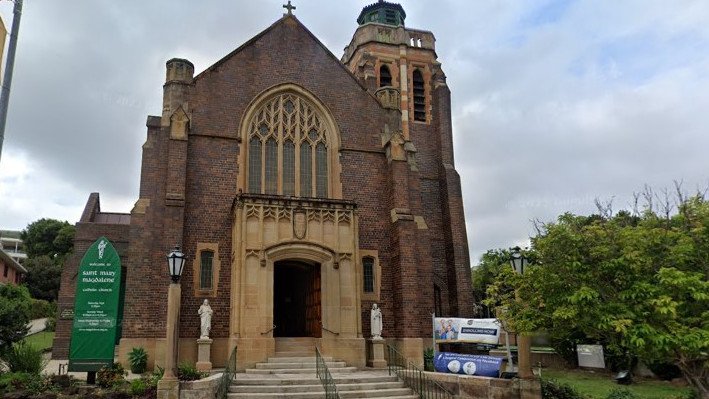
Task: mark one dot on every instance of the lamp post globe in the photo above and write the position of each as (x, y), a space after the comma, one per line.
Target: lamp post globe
(175, 263)
(518, 260)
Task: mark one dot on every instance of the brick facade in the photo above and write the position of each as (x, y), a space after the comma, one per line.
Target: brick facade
(407, 193)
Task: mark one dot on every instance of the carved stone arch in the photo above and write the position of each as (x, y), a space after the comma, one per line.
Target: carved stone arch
(307, 252)
(332, 134)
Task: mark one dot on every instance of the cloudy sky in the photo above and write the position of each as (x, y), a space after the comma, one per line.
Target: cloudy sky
(555, 103)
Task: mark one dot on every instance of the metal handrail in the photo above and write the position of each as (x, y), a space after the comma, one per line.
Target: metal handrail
(269, 331)
(415, 378)
(227, 377)
(325, 377)
(327, 329)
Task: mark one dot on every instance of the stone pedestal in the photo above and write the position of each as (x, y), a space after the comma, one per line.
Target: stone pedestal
(376, 353)
(168, 388)
(204, 354)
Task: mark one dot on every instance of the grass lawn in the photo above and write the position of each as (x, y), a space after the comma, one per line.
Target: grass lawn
(597, 385)
(41, 340)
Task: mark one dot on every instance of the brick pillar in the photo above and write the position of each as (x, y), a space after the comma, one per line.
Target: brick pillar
(460, 287)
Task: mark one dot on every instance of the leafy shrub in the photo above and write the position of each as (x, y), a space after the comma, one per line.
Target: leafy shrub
(665, 371)
(428, 359)
(40, 308)
(63, 381)
(33, 383)
(138, 359)
(109, 377)
(552, 389)
(51, 324)
(117, 394)
(138, 387)
(188, 372)
(25, 358)
(620, 393)
(14, 314)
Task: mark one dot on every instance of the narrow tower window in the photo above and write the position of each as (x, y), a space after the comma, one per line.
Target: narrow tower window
(205, 272)
(384, 76)
(368, 274)
(419, 97)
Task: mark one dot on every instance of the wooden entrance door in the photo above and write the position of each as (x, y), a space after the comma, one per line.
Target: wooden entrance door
(313, 310)
(296, 300)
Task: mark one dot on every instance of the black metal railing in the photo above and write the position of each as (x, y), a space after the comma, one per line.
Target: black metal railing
(415, 378)
(325, 377)
(227, 377)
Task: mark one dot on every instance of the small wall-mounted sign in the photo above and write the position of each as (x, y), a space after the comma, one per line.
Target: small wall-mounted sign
(67, 313)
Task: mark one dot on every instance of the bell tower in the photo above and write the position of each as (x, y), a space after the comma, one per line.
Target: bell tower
(397, 63)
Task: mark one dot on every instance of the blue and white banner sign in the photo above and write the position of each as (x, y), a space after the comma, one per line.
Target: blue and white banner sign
(479, 365)
(481, 331)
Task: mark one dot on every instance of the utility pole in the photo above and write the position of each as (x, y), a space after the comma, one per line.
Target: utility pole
(9, 66)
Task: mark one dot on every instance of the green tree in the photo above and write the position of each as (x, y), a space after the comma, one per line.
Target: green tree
(14, 315)
(637, 283)
(484, 274)
(48, 237)
(43, 278)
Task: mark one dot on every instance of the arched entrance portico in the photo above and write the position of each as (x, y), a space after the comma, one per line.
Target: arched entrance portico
(294, 267)
(297, 308)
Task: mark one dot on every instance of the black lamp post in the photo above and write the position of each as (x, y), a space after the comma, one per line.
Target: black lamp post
(169, 386)
(524, 345)
(175, 263)
(518, 261)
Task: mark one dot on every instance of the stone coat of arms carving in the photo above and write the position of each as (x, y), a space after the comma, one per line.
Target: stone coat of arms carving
(300, 223)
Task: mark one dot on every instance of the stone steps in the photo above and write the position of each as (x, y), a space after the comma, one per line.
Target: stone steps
(290, 374)
(292, 347)
(297, 365)
(299, 370)
(296, 359)
(367, 386)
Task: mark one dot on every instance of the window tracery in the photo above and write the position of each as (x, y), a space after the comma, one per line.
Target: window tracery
(288, 149)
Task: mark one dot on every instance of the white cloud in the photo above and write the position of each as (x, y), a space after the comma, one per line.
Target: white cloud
(555, 102)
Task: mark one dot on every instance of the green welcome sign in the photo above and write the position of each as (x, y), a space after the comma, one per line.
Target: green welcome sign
(98, 288)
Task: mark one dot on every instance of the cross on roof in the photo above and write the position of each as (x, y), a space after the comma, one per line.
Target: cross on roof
(289, 7)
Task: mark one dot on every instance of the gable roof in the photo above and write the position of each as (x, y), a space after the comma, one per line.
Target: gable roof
(283, 20)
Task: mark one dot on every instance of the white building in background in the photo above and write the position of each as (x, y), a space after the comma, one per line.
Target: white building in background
(13, 246)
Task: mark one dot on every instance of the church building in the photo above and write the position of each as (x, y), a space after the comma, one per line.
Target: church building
(304, 188)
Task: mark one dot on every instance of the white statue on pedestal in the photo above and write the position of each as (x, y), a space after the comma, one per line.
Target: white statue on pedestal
(376, 322)
(205, 315)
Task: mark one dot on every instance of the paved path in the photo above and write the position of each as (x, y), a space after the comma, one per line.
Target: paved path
(36, 326)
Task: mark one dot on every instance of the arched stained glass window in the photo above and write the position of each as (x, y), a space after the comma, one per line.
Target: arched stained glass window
(288, 152)
(271, 166)
(288, 168)
(306, 170)
(255, 165)
(321, 170)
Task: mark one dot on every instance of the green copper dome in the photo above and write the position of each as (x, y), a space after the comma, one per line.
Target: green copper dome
(382, 12)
